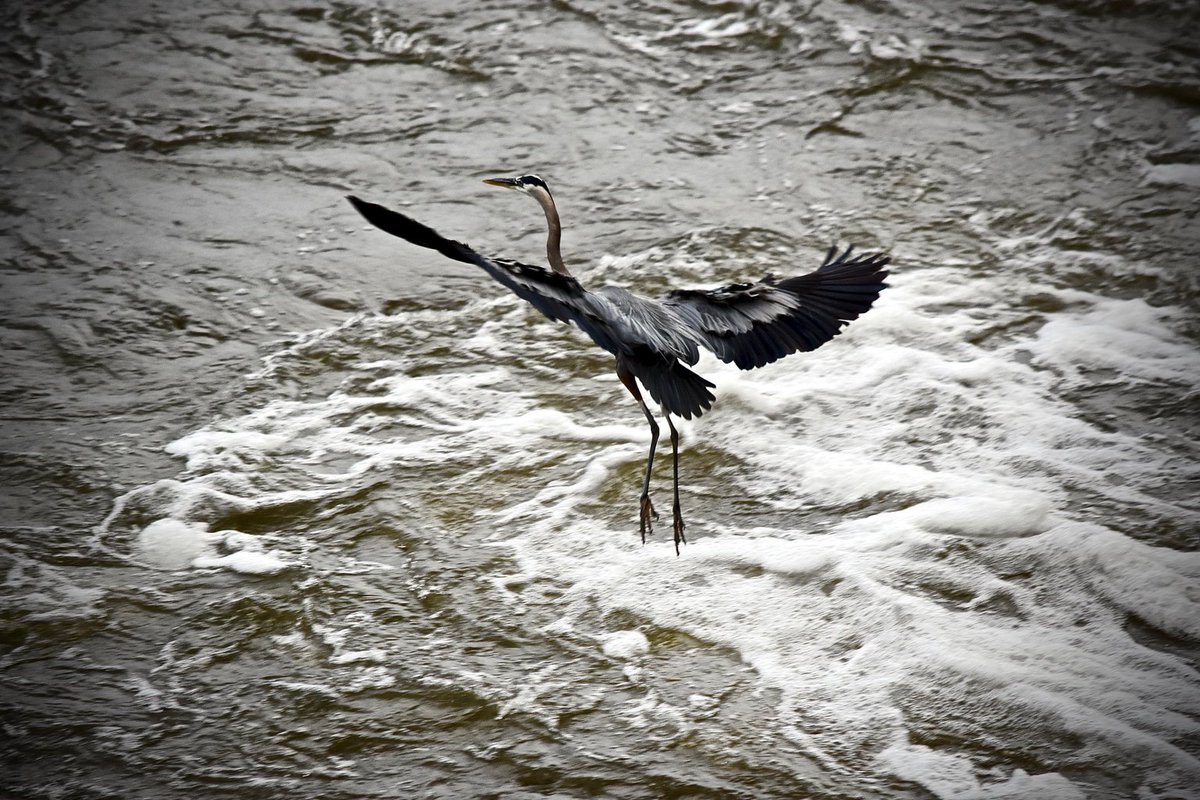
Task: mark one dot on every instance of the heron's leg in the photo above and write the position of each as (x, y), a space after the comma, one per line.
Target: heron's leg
(677, 522)
(647, 507)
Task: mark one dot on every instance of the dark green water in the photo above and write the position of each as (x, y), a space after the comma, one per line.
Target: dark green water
(290, 507)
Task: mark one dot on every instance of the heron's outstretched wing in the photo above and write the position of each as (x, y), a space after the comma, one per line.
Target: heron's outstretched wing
(752, 324)
(559, 297)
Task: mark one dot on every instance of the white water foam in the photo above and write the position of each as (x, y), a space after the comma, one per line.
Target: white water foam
(970, 601)
(930, 573)
(175, 544)
(625, 644)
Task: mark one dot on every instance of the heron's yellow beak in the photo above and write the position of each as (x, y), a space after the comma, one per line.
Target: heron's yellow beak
(507, 183)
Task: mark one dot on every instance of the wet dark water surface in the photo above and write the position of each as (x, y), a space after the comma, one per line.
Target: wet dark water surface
(293, 508)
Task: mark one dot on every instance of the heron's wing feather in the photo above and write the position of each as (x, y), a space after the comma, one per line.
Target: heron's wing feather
(559, 297)
(647, 324)
(752, 324)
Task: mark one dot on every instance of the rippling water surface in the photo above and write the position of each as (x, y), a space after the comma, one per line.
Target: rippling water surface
(292, 508)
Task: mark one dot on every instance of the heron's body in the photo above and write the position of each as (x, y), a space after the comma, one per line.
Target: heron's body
(655, 341)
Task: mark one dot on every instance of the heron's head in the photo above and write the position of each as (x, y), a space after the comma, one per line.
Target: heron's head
(530, 184)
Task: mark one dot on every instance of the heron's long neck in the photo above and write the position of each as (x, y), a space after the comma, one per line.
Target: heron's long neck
(554, 235)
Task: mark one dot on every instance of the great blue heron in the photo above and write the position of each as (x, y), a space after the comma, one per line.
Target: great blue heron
(750, 324)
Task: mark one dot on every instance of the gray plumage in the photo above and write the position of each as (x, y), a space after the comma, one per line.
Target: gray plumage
(748, 324)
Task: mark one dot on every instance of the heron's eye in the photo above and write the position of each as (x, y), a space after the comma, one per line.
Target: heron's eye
(531, 180)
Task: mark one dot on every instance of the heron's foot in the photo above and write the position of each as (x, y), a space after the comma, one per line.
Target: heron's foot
(678, 528)
(648, 514)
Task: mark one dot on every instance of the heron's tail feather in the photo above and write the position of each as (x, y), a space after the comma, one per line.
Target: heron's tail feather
(676, 388)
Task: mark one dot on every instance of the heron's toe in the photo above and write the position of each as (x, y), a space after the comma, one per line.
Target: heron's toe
(648, 515)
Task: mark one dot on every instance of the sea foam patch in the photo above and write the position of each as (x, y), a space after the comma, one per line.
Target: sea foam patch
(177, 544)
(625, 644)
(958, 590)
(1001, 514)
(174, 544)
(975, 604)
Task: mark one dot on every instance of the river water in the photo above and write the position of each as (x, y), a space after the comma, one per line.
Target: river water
(292, 508)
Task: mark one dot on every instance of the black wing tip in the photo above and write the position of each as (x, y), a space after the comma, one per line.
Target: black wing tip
(865, 267)
(370, 211)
